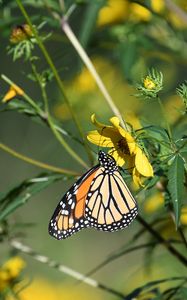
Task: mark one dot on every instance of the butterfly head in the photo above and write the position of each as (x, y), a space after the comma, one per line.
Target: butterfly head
(107, 161)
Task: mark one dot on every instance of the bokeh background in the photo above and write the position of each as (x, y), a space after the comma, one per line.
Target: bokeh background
(124, 39)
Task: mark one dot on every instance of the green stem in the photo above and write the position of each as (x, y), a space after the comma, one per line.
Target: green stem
(42, 87)
(83, 55)
(25, 96)
(49, 121)
(35, 162)
(57, 77)
(165, 117)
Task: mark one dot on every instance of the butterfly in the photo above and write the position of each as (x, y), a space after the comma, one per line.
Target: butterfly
(100, 199)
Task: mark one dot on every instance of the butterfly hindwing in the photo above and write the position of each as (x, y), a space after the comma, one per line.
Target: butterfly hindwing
(110, 205)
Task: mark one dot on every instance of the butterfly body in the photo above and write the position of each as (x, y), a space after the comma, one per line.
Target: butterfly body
(100, 199)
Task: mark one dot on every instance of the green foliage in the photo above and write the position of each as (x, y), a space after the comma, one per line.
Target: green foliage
(151, 85)
(130, 45)
(20, 194)
(176, 185)
(182, 92)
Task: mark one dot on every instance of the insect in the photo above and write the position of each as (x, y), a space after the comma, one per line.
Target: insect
(100, 199)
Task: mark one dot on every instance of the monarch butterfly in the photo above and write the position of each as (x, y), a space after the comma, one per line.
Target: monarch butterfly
(100, 199)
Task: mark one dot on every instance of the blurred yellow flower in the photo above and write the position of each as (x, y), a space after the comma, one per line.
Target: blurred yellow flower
(172, 106)
(154, 202)
(10, 270)
(124, 148)
(13, 91)
(133, 120)
(139, 13)
(157, 5)
(61, 111)
(20, 33)
(42, 289)
(176, 21)
(183, 218)
(149, 83)
(85, 82)
(114, 11)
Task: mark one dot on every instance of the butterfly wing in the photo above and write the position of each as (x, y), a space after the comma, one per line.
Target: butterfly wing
(110, 205)
(69, 216)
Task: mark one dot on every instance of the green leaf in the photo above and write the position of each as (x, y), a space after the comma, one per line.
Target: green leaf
(20, 106)
(149, 285)
(20, 194)
(176, 185)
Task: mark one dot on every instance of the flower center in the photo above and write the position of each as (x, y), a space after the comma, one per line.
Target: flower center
(123, 146)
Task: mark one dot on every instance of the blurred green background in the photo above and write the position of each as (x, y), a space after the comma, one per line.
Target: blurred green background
(124, 40)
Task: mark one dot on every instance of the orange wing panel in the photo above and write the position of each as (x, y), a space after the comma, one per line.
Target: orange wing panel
(81, 195)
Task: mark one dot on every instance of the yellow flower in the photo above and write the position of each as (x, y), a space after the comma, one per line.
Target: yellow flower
(20, 33)
(183, 218)
(125, 150)
(10, 271)
(13, 91)
(114, 11)
(154, 202)
(157, 5)
(43, 289)
(85, 82)
(139, 13)
(149, 83)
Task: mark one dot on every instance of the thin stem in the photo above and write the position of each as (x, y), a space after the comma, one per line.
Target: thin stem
(165, 117)
(62, 142)
(83, 55)
(173, 7)
(49, 121)
(122, 252)
(64, 269)
(25, 96)
(42, 87)
(35, 162)
(169, 247)
(181, 232)
(57, 77)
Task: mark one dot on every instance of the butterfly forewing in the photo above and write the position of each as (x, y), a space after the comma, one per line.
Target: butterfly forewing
(69, 216)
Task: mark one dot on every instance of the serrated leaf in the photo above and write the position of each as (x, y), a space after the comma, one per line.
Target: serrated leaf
(20, 194)
(176, 185)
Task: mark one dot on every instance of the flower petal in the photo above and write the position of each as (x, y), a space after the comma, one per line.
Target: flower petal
(136, 178)
(98, 124)
(105, 137)
(95, 137)
(115, 121)
(142, 164)
(118, 156)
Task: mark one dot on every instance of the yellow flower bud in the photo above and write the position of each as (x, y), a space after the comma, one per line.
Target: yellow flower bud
(20, 33)
(149, 83)
(13, 91)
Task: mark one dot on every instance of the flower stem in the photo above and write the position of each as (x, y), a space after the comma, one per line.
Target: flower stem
(42, 87)
(57, 77)
(165, 117)
(50, 123)
(83, 55)
(25, 96)
(36, 162)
